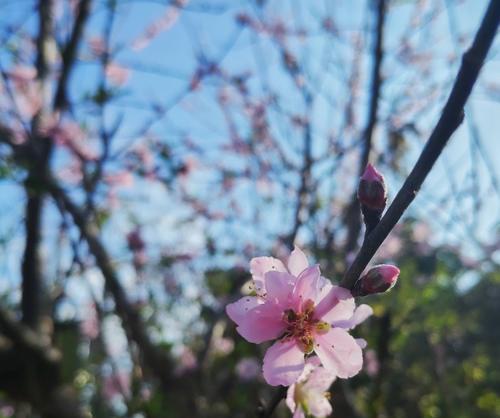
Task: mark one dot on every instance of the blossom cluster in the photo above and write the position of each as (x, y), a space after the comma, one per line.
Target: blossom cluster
(309, 320)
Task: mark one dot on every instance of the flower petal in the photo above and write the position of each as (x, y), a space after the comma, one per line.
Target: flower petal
(290, 398)
(337, 305)
(279, 287)
(259, 266)
(361, 342)
(283, 363)
(339, 353)
(319, 380)
(299, 413)
(361, 313)
(297, 262)
(308, 285)
(262, 323)
(319, 406)
(239, 309)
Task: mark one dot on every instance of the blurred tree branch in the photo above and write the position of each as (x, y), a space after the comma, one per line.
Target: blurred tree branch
(353, 218)
(30, 371)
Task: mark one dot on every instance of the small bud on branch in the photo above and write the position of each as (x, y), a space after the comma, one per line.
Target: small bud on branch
(372, 196)
(379, 279)
(372, 191)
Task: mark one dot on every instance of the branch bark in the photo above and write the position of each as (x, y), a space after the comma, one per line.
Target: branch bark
(449, 121)
(31, 265)
(353, 210)
(70, 53)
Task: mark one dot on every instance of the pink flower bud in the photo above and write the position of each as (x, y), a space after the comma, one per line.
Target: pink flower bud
(372, 191)
(379, 279)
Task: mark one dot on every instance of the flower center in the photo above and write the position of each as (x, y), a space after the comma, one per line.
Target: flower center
(302, 326)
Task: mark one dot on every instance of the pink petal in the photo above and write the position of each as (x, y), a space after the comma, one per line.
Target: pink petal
(297, 262)
(279, 287)
(239, 309)
(290, 398)
(283, 363)
(361, 342)
(259, 266)
(339, 353)
(319, 406)
(262, 323)
(299, 413)
(320, 380)
(308, 284)
(361, 313)
(337, 305)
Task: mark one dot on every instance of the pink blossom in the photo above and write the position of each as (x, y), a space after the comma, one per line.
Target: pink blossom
(117, 74)
(305, 312)
(69, 134)
(309, 395)
(187, 362)
(248, 368)
(97, 46)
(120, 179)
(90, 324)
(164, 23)
(371, 363)
(223, 346)
(116, 384)
(26, 90)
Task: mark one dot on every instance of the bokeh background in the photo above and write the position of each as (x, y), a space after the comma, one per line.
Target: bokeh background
(189, 137)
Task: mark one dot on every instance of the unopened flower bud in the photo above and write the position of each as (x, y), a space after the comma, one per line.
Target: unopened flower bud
(372, 192)
(379, 279)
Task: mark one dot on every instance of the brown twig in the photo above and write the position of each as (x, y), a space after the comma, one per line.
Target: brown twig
(69, 53)
(354, 216)
(449, 121)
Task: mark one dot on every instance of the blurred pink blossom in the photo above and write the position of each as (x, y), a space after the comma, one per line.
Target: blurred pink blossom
(117, 74)
(90, 323)
(187, 361)
(116, 384)
(248, 368)
(97, 46)
(120, 179)
(371, 363)
(223, 346)
(27, 94)
(165, 22)
(69, 134)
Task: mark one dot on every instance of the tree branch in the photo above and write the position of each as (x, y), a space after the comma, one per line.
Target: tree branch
(30, 371)
(155, 360)
(449, 121)
(353, 210)
(31, 266)
(70, 53)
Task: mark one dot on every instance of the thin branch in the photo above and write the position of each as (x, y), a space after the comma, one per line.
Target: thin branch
(449, 121)
(70, 53)
(156, 360)
(354, 215)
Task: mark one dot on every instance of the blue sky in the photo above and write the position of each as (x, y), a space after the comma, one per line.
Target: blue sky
(207, 29)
